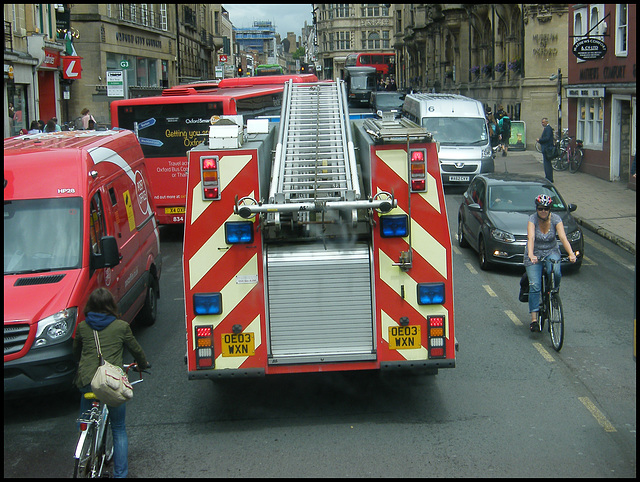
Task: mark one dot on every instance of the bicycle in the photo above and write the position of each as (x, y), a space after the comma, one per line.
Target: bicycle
(551, 305)
(560, 162)
(576, 156)
(94, 450)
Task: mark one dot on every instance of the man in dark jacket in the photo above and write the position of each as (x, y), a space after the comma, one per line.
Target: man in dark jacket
(546, 143)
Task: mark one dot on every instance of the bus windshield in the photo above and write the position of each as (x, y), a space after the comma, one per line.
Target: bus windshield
(29, 227)
(458, 131)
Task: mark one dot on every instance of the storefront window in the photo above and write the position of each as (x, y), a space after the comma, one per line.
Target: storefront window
(17, 111)
(590, 121)
(142, 71)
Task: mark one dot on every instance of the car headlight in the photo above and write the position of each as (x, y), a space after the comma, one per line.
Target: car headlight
(56, 328)
(575, 235)
(500, 235)
(486, 152)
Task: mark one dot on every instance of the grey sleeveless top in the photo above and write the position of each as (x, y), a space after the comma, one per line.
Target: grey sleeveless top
(544, 243)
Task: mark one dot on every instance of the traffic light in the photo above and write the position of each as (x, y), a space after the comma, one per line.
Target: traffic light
(303, 68)
(239, 71)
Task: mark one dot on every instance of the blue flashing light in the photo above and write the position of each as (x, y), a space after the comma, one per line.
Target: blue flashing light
(394, 226)
(236, 232)
(207, 303)
(430, 293)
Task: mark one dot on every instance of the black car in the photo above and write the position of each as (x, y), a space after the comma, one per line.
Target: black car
(386, 101)
(494, 212)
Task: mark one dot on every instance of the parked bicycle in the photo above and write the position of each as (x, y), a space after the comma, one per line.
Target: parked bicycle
(94, 450)
(551, 306)
(567, 157)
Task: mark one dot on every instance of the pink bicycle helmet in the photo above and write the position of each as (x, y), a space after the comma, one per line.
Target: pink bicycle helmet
(544, 200)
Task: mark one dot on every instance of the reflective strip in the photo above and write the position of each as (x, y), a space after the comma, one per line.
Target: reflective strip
(232, 294)
(232, 167)
(394, 277)
(413, 354)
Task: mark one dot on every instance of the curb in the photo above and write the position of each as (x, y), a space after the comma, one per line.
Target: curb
(623, 243)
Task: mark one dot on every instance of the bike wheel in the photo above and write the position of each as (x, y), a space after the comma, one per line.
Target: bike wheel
(576, 160)
(556, 322)
(560, 162)
(538, 147)
(84, 454)
(108, 442)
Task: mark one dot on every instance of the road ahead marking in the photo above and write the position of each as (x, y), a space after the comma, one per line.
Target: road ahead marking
(597, 414)
(513, 317)
(488, 289)
(545, 354)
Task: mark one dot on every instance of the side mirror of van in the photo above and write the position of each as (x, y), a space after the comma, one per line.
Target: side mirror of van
(109, 256)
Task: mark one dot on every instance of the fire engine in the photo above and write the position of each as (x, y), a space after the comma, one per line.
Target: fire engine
(316, 244)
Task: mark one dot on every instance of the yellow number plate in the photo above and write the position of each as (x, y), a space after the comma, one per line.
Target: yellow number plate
(180, 210)
(404, 337)
(238, 344)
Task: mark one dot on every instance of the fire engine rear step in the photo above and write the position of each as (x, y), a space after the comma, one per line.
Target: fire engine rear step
(315, 165)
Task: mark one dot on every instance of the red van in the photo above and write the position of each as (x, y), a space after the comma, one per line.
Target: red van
(77, 216)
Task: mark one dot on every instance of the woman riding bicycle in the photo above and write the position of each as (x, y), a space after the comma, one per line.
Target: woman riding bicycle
(101, 314)
(542, 228)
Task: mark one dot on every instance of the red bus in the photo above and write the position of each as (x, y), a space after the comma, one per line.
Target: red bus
(384, 62)
(169, 125)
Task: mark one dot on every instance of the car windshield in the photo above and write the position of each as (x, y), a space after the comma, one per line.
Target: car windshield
(389, 101)
(457, 131)
(520, 197)
(42, 235)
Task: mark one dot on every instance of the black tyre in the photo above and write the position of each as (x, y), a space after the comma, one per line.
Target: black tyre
(556, 322)
(149, 311)
(462, 242)
(485, 264)
(82, 467)
(576, 160)
(538, 147)
(560, 163)
(108, 442)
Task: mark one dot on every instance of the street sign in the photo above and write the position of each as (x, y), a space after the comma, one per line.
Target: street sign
(124, 64)
(222, 58)
(71, 68)
(115, 83)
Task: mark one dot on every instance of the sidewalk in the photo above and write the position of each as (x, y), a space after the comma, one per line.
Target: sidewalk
(606, 208)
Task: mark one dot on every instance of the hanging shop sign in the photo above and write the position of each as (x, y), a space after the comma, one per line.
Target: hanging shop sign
(589, 49)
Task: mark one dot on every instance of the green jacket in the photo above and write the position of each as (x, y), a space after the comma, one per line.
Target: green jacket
(113, 338)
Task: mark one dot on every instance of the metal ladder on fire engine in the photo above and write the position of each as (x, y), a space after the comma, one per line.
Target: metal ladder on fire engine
(314, 166)
(316, 161)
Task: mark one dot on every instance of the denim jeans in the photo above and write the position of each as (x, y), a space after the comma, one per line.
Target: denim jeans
(119, 430)
(534, 272)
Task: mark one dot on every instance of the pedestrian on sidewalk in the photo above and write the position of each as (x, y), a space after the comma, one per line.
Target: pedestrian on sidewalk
(505, 129)
(546, 143)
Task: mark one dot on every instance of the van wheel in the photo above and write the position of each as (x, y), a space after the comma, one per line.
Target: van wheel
(149, 311)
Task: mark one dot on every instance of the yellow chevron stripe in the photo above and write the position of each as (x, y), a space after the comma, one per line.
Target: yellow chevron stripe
(426, 245)
(229, 167)
(397, 161)
(226, 362)
(209, 254)
(413, 354)
(395, 278)
(232, 294)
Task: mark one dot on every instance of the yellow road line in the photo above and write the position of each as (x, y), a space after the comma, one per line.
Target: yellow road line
(512, 316)
(597, 414)
(545, 354)
(488, 289)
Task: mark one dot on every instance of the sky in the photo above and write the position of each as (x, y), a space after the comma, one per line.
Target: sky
(287, 17)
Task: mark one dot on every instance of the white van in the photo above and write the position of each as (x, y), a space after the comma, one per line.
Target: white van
(460, 127)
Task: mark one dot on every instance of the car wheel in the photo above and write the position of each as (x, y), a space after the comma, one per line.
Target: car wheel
(482, 255)
(462, 242)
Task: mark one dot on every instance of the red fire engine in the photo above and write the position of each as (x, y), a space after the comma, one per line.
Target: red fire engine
(316, 244)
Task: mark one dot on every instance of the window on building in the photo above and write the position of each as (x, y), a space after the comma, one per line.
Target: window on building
(163, 16)
(344, 41)
(374, 10)
(590, 121)
(373, 40)
(621, 29)
(385, 39)
(342, 10)
(144, 14)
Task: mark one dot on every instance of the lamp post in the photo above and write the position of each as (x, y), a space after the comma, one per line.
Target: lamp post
(558, 77)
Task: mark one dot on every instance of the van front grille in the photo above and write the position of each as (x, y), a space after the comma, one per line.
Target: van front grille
(15, 336)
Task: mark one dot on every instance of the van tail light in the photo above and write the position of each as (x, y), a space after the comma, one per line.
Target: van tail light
(418, 170)
(436, 330)
(204, 346)
(209, 177)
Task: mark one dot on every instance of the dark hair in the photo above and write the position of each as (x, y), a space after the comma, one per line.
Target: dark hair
(101, 301)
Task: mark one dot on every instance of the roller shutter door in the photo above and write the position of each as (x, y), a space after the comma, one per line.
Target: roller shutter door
(320, 306)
